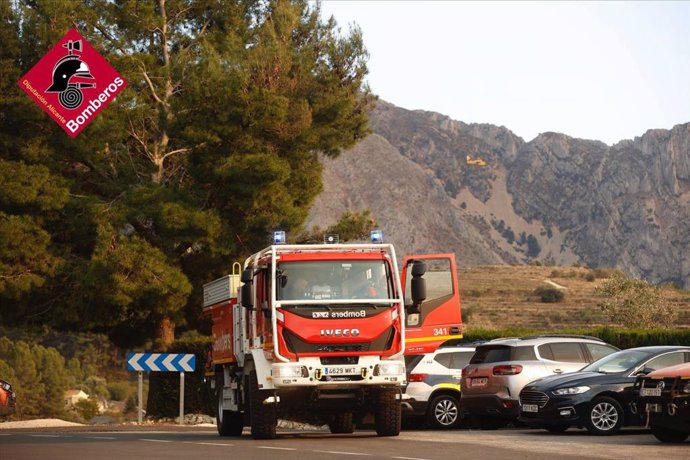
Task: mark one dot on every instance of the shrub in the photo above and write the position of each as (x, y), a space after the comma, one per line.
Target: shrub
(549, 294)
(635, 303)
(87, 408)
(120, 391)
(604, 273)
(590, 277)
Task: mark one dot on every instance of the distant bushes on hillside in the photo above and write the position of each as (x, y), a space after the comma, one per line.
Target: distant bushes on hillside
(549, 294)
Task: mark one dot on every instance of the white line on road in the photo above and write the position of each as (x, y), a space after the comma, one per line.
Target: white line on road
(341, 453)
(99, 437)
(211, 444)
(275, 448)
(409, 458)
(155, 440)
(47, 436)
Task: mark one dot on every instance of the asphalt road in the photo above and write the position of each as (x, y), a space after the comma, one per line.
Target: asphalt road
(186, 443)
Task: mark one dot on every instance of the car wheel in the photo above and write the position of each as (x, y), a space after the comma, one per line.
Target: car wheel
(668, 435)
(556, 428)
(444, 412)
(605, 416)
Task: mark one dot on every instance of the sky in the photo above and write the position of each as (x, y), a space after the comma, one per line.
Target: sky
(594, 70)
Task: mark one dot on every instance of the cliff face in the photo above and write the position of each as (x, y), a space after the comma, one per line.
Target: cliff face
(554, 199)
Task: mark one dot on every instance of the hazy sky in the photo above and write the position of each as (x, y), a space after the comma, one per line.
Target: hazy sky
(594, 70)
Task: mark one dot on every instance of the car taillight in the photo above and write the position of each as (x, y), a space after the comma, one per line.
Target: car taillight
(507, 369)
(417, 377)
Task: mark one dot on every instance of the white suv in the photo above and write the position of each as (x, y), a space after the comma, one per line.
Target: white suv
(500, 368)
(433, 388)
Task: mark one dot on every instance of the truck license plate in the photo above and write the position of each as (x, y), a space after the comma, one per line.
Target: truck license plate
(341, 370)
(530, 408)
(479, 382)
(650, 391)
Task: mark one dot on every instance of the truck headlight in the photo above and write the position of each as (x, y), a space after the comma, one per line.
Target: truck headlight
(289, 372)
(389, 369)
(571, 391)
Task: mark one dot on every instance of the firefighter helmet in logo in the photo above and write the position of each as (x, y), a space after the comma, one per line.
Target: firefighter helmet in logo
(65, 70)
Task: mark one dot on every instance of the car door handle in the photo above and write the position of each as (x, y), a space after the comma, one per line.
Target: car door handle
(558, 371)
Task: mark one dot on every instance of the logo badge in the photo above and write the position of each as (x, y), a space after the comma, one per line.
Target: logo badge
(72, 83)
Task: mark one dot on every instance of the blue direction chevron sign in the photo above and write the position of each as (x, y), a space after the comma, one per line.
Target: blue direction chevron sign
(170, 362)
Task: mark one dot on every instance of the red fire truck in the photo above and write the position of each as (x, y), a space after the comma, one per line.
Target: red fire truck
(316, 333)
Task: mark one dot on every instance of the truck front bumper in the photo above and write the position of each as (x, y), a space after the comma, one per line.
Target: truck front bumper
(311, 372)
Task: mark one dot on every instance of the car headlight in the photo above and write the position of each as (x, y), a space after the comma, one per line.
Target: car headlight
(571, 391)
(289, 372)
(392, 368)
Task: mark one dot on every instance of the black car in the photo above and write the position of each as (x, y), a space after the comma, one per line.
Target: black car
(598, 396)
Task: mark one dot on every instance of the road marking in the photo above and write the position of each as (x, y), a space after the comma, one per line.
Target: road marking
(99, 437)
(409, 458)
(341, 453)
(46, 435)
(211, 444)
(155, 440)
(275, 448)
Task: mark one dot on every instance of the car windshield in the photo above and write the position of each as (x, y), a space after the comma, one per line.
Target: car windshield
(618, 362)
(340, 279)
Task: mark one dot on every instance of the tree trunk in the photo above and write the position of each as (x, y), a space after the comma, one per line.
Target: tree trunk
(165, 331)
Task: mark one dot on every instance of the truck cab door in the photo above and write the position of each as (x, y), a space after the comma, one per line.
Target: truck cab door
(439, 319)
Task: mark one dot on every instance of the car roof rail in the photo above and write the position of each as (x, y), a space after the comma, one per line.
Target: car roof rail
(564, 336)
(459, 343)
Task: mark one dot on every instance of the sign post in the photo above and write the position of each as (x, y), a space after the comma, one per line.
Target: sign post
(161, 362)
(140, 394)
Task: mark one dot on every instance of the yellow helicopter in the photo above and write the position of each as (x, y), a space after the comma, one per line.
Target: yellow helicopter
(475, 161)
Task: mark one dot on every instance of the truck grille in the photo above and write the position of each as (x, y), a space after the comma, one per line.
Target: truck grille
(533, 397)
(297, 345)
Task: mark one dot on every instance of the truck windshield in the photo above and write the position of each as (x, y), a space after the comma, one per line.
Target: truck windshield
(326, 280)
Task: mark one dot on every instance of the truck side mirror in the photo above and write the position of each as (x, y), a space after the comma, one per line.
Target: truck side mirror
(246, 291)
(417, 287)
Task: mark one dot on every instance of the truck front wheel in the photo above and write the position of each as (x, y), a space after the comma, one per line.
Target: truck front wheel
(388, 412)
(264, 418)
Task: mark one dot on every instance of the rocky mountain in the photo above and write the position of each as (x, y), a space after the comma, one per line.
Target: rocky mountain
(554, 199)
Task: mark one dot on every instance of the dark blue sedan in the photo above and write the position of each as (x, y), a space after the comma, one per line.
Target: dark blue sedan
(598, 396)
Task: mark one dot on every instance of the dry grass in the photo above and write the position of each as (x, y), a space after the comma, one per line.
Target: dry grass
(500, 297)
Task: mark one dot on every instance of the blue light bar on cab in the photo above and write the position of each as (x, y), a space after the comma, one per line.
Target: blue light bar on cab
(377, 236)
(279, 237)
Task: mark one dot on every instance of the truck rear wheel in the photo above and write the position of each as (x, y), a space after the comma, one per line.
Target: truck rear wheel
(342, 423)
(228, 422)
(388, 412)
(264, 418)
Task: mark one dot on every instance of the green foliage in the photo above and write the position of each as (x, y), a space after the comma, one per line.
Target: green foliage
(549, 294)
(635, 303)
(120, 391)
(40, 377)
(533, 248)
(352, 226)
(87, 408)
